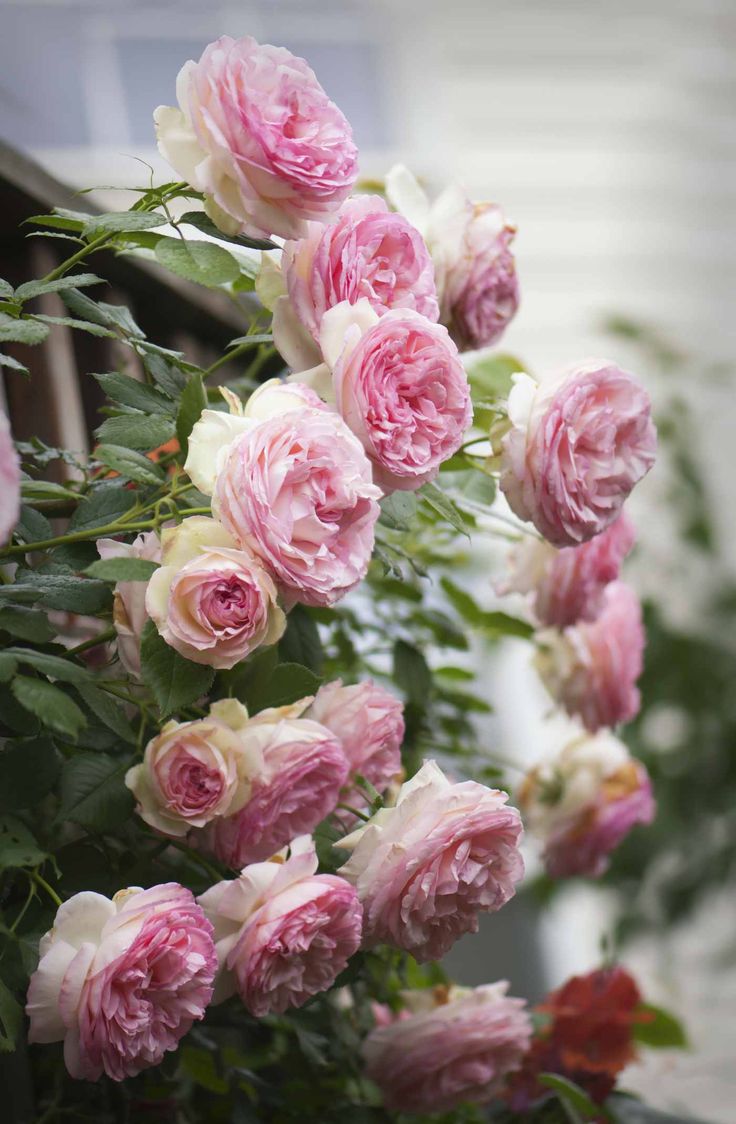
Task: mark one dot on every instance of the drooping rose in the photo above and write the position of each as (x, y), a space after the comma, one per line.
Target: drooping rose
(425, 868)
(211, 601)
(129, 613)
(297, 489)
(456, 1046)
(121, 982)
(583, 802)
(283, 932)
(470, 245)
(368, 253)
(9, 481)
(298, 784)
(369, 721)
(569, 584)
(576, 446)
(258, 135)
(591, 668)
(400, 386)
(193, 772)
(586, 1037)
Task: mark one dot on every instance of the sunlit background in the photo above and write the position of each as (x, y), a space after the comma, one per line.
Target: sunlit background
(606, 131)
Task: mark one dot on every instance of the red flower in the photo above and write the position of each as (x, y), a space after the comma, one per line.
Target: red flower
(588, 1039)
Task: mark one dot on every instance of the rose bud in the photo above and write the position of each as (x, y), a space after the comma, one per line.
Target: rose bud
(425, 868)
(591, 668)
(456, 1046)
(212, 602)
(257, 134)
(583, 802)
(283, 932)
(121, 982)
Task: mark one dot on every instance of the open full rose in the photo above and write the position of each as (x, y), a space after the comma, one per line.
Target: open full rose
(121, 981)
(470, 245)
(212, 602)
(369, 721)
(298, 784)
(368, 253)
(283, 932)
(569, 584)
(193, 772)
(427, 867)
(577, 445)
(455, 1046)
(129, 613)
(591, 668)
(583, 802)
(258, 135)
(297, 489)
(9, 481)
(399, 384)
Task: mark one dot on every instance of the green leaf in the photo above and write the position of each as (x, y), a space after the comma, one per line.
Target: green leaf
(11, 1020)
(21, 331)
(445, 507)
(55, 666)
(175, 682)
(136, 431)
(28, 624)
(201, 221)
(411, 673)
(301, 643)
(138, 395)
(166, 375)
(118, 222)
(492, 623)
(33, 289)
(61, 219)
(662, 1031)
(108, 710)
(203, 262)
(201, 1066)
(122, 569)
(8, 667)
(572, 1095)
(6, 290)
(130, 464)
(13, 364)
(18, 848)
(193, 402)
(105, 505)
(34, 490)
(28, 770)
(289, 683)
(490, 377)
(79, 325)
(52, 706)
(398, 510)
(253, 340)
(93, 792)
(66, 591)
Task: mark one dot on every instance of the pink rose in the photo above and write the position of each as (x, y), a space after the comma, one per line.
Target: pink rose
(584, 802)
(569, 584)
(193, 772)
(591, 668)
(425, 868)
(297, 490)
(368, 253)
(456, 1047)
(369, 721)
(298, 784)
(258, 135)
(213, 603)
(129, 613)
(283, 932)
(9, 481)
(470, 246)
(400, 386)
(576, 447)
(121, 981)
